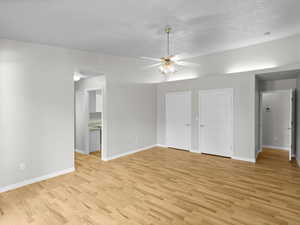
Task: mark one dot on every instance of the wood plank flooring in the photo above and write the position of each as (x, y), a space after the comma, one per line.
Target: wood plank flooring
(97, 154)
(161, 187)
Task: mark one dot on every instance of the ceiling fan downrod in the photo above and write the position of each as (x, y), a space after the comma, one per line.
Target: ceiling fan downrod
(168, 30)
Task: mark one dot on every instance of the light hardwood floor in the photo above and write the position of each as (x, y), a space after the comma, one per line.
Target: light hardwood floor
(96, 154)
(160, 187)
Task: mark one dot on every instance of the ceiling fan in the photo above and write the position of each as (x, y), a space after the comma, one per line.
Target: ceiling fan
(169, 64)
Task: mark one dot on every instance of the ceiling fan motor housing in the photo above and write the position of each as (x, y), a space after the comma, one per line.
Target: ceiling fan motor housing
(168, 29)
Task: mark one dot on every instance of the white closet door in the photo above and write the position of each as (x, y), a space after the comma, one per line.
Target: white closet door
(178, 120)
(215, 122)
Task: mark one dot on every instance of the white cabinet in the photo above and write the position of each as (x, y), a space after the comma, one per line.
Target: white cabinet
(98, 101)
(95, 140)
(95, 101)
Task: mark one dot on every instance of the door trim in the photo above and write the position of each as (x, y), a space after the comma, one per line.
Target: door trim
(230, 92)
(166, 130)
(292, 127)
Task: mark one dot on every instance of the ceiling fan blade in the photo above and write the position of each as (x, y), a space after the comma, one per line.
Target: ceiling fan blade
(184, 63)
(176, 57)
(152, 59)
(151, 66)
(183, 56)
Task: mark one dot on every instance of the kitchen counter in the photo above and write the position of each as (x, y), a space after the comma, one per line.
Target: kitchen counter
(95, 125)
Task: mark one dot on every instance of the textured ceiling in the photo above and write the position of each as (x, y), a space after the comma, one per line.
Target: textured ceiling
(135, 27)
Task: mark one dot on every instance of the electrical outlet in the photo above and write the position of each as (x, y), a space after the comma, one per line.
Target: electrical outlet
(22, 166)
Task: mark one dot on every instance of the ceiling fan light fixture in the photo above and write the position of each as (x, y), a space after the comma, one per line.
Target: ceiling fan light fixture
(167, 68)
(77, 76)
(169, 63)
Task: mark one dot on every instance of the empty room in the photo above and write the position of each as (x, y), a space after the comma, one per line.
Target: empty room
(150, 112)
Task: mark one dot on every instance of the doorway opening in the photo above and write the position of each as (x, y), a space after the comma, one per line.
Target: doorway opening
(277, 121)
(276, 115)
(89, 94)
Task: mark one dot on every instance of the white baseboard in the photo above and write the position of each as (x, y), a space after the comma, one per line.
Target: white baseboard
(34, 180)
(244, 159)
(165, 146)
(129, 153)
(162, 146)
(80, 151)
(197, 151)
(194, 150)
(276, 147)
(258, 152)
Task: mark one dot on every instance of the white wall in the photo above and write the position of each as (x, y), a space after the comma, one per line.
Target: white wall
(36, 111)
(98, 101)
(95, 101)
(243, 85)
(37, 107)
(276, 119)
(92, 101)
(131, 117)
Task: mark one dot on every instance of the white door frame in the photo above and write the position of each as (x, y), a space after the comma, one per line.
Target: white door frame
(292, 122)
(292, 93)
(190, 122)
(229, 91)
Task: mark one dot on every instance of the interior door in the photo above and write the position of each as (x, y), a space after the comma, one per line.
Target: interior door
(292, 124)
(215, 122)
(178, 120)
